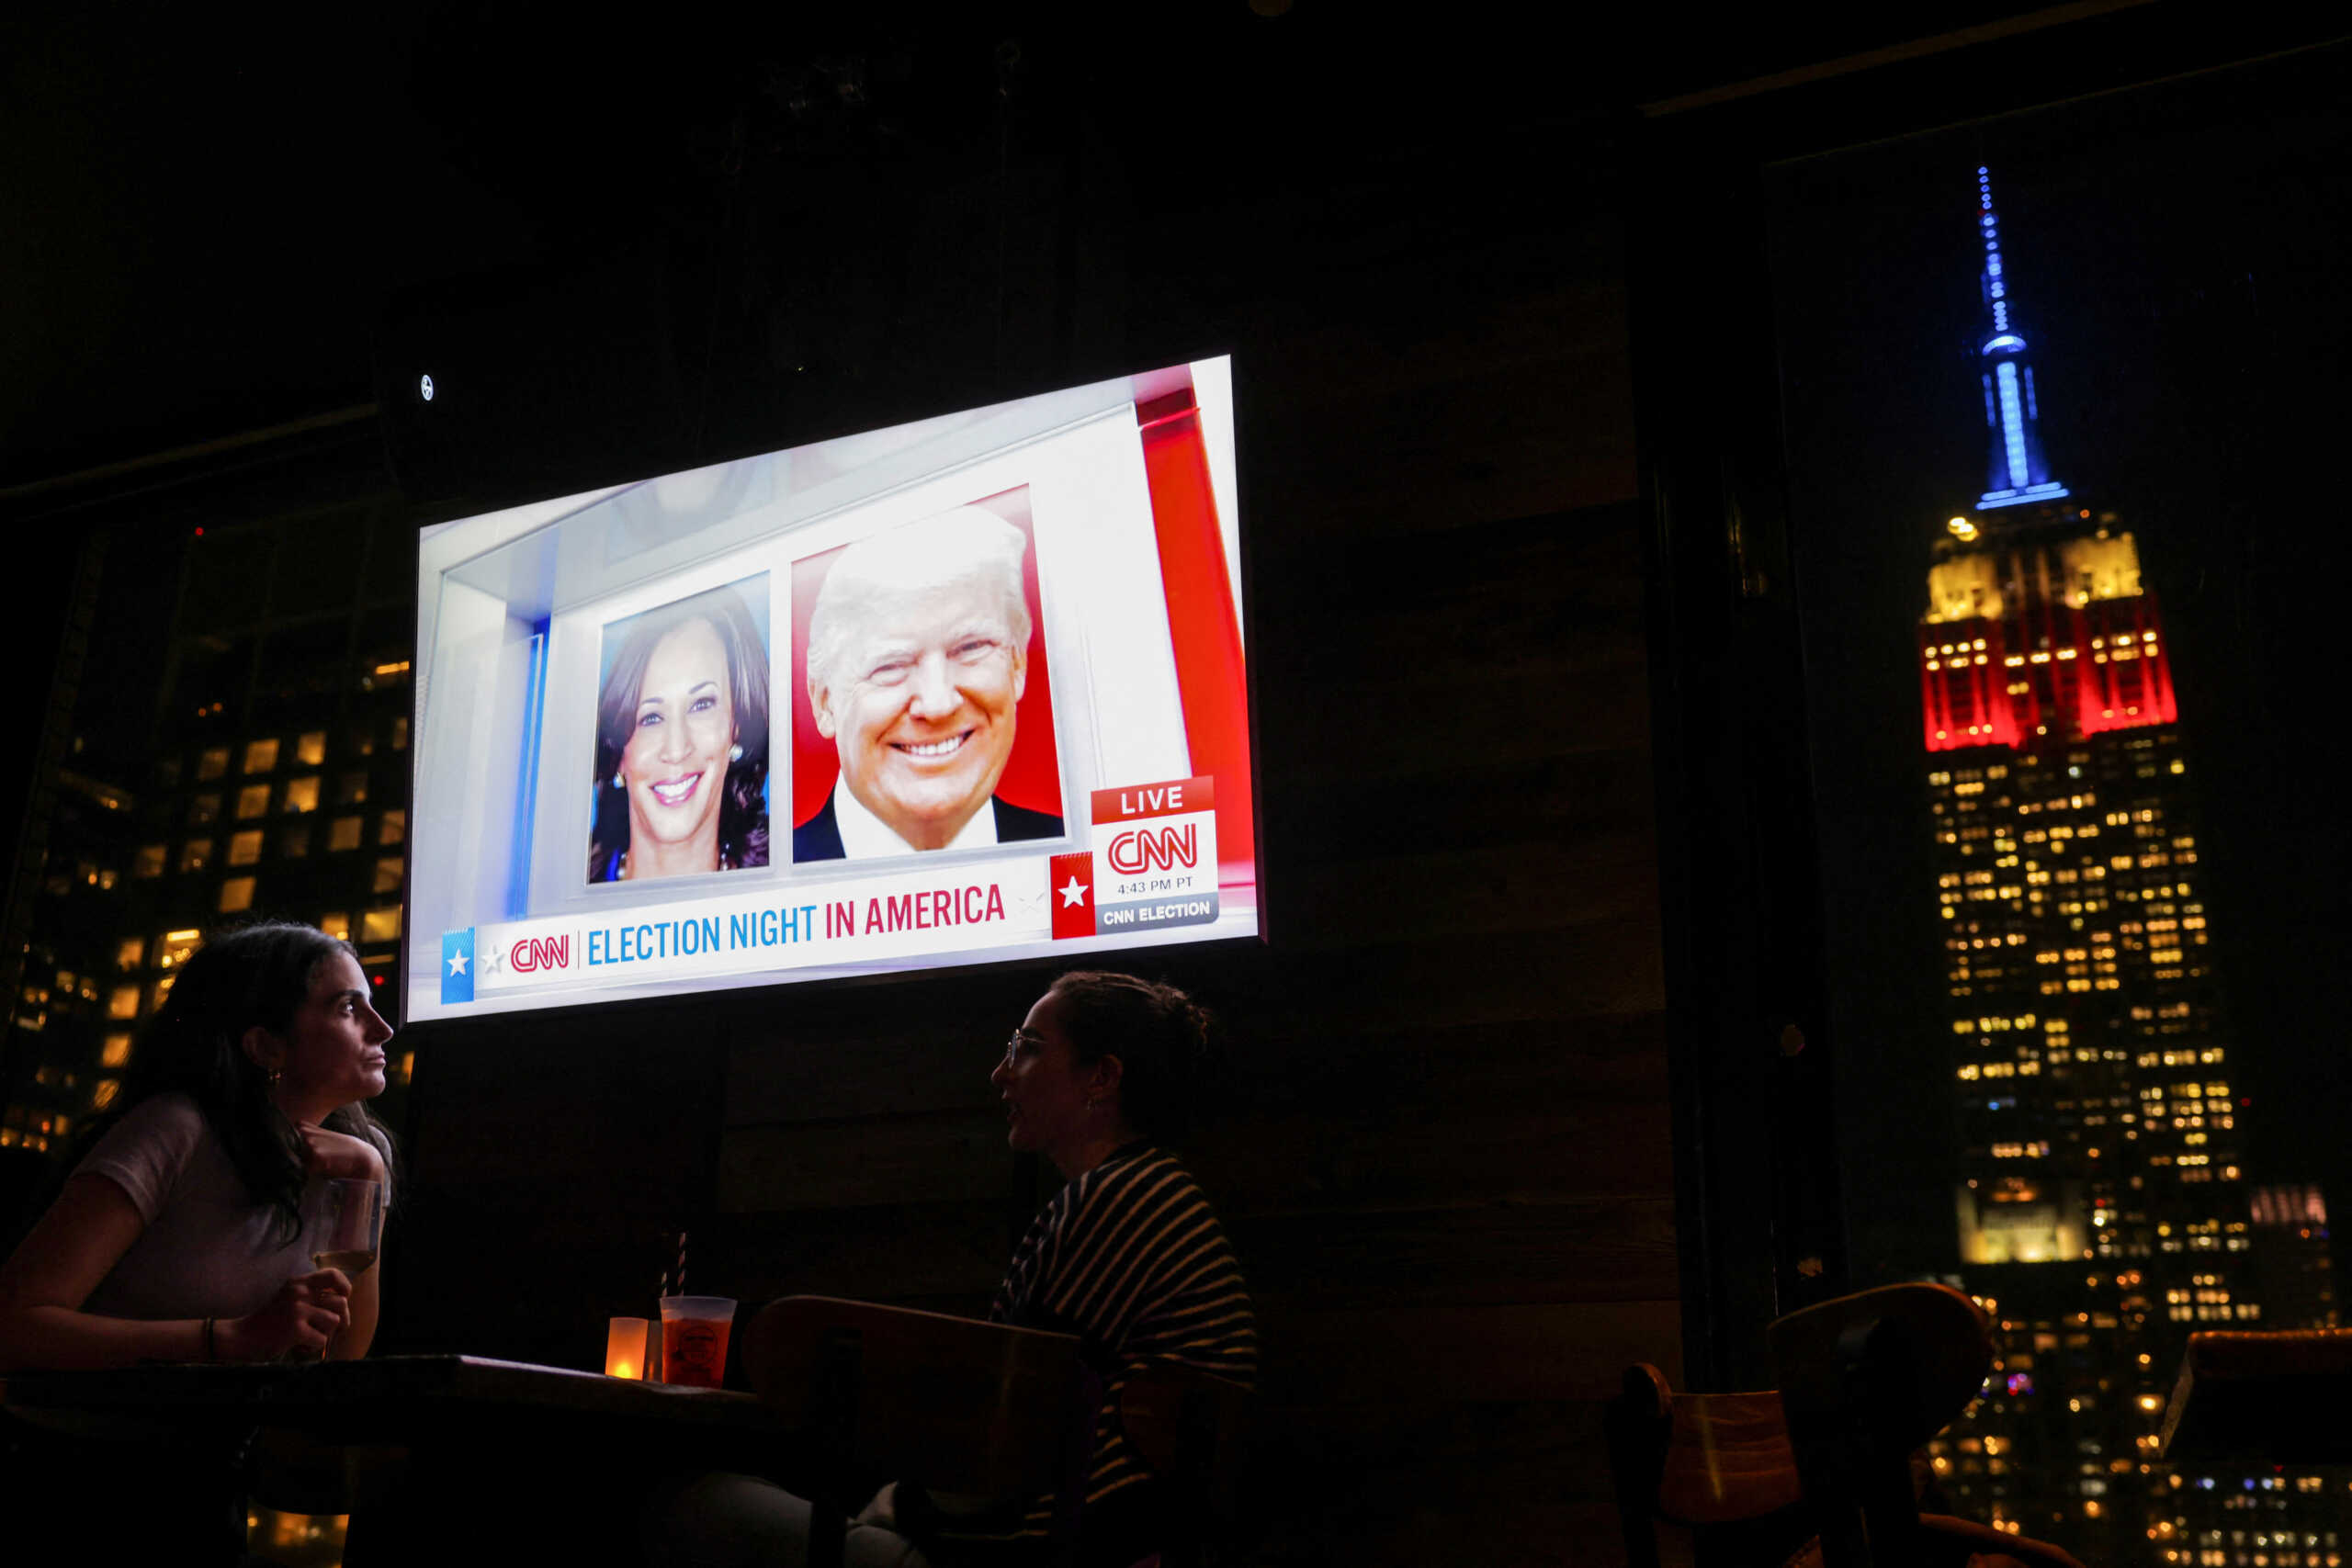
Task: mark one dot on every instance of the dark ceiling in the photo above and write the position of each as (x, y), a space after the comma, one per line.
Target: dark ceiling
(202, 221)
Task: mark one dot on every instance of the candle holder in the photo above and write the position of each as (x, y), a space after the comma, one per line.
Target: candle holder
(625, 1348)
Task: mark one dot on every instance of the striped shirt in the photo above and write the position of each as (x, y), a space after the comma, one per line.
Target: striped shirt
(1129, 1258)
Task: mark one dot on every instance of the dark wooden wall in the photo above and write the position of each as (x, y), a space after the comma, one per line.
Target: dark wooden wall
(1447, 1165)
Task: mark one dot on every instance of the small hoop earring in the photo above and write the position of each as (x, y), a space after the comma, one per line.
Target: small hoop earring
(735, 753)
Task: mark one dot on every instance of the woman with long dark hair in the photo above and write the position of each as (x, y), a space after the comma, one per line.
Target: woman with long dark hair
(682, 745)
(181, 1234)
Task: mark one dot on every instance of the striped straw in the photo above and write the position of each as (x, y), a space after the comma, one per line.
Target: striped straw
(682, 1263)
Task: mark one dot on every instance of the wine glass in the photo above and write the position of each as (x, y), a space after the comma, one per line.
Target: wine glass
(353, 1229)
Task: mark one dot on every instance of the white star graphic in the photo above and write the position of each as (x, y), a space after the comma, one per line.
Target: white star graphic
(490, 964)
(1075, 894)
(457, 963)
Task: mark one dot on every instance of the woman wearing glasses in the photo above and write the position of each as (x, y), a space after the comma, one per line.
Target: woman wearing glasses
(1127, 1256)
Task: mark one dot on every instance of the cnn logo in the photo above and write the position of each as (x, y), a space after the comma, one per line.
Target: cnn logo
(1140, 850)
(540, 953)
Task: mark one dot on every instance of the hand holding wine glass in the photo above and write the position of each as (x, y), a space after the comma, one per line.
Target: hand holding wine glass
(353, 1231)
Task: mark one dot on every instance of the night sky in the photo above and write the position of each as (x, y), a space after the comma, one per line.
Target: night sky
(2177, 255)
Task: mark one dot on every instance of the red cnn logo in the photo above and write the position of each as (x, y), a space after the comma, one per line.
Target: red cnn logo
(1140, 850)
(541, 952)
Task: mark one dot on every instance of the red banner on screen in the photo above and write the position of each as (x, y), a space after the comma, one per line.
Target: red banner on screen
(1174, 798)
(1073, 894)
(1203, 620)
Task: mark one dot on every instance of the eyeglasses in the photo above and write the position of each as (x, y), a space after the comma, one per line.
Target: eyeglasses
(1012, 1046)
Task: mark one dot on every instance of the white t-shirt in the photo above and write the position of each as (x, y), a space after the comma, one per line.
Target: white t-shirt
(208, 1250)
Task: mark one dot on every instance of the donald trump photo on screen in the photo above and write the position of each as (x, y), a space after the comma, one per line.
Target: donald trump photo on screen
(918, 658)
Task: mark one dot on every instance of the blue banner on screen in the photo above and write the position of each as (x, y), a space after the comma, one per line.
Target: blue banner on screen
(875, 703)
(457, 967)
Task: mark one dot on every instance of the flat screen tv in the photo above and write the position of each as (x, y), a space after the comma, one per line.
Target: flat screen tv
(965, 689)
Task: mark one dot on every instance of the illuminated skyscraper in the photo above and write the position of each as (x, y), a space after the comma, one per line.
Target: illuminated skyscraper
(2101, 1204)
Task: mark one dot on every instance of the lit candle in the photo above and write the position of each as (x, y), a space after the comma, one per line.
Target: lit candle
(625, 1348)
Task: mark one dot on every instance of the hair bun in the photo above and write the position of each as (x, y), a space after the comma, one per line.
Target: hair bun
(1160, 1035)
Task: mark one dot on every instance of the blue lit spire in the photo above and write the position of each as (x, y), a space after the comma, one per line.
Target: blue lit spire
(2018, 474)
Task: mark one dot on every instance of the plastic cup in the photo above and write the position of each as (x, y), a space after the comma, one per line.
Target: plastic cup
(694, 1340)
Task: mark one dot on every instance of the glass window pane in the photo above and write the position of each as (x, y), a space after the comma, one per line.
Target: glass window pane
(294, 840)
(336, 925)
(380, 925)
(173, 948)
(351, 789)
(236, 894)
(344, 834)
(392, 828)
(261, 756)
(388, 875)
(363, 739)
(212, 762)
(302, 794)
(195, 854)
(123, 1002)
(102, 1093)
(244, 848)
(311, 749)
(202, 809)
(253, 801)
(2061, 465)
(116, 1052)
(400, 733)
(131, 954)
(150, 860)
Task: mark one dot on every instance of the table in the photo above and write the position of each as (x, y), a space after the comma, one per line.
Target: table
(2272, 1398)
(541, 1459)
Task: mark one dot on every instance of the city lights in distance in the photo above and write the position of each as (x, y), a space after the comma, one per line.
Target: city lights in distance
(1961, 528)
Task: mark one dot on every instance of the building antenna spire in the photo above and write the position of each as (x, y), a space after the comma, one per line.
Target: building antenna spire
(2016, 474)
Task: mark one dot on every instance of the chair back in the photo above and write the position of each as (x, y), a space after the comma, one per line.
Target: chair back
(1715, 1464)
(1864, 1380)
(1192, 1428)
(957, 1404)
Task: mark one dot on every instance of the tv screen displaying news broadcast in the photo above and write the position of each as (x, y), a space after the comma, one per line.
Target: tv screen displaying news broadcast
(964, 690)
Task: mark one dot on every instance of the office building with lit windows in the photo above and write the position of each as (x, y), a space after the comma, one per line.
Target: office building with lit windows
(2102, 1207)
(261, 771)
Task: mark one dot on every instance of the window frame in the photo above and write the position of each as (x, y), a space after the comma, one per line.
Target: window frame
(1759, 1210)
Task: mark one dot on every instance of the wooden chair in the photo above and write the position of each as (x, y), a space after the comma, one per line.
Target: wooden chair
(1191, 1428)
(1717, 1465)
(1865, 1380)
(961, 1406)
(2261, 1398)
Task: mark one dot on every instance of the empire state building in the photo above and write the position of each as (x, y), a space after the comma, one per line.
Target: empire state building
(2101, 1207)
